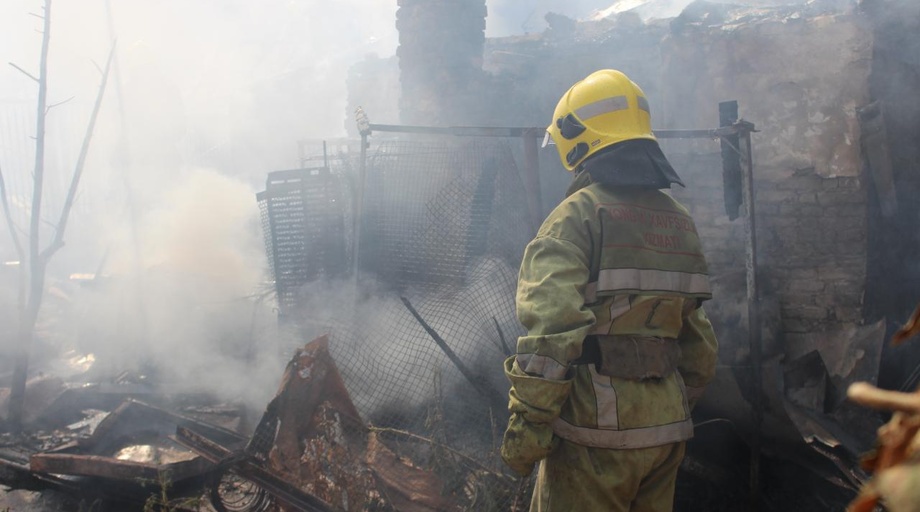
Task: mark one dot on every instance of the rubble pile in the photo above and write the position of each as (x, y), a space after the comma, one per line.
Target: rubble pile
(311, 451)
(322, 446)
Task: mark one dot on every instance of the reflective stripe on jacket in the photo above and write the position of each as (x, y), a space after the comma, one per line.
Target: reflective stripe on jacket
(624, 261)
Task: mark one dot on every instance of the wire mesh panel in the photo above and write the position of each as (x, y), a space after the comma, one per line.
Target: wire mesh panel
(443, 229)
(432, 208)
(303, 217)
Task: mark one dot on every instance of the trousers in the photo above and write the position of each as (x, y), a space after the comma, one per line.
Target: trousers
(578, 478)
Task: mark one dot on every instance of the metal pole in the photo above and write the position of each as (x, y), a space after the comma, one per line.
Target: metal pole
(364, 129)
(359, 207)
(536, 132)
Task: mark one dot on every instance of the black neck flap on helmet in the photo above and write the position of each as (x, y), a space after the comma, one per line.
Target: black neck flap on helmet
(632, 163)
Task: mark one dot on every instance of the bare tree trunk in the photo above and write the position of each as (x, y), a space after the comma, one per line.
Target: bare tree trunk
(38, 260)
(29, 314)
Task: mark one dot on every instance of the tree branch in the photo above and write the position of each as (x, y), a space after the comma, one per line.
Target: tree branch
(58, 104)
(24, 72)
(58, 241)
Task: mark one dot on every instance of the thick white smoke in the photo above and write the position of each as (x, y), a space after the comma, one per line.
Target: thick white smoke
(206, 98)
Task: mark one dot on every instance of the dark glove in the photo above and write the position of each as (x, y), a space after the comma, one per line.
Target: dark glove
(525, 444)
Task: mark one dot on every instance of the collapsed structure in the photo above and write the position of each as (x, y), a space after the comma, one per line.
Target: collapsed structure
(404, 251)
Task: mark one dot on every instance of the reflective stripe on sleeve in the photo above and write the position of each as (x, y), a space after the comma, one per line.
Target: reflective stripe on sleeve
(542, 366)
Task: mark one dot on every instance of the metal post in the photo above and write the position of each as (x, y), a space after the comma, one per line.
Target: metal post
(754, 324)
(731, 160)
(359, 206)
(531, 177)
(364, 129)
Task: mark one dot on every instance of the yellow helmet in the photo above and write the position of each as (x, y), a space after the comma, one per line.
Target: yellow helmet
(601, 110)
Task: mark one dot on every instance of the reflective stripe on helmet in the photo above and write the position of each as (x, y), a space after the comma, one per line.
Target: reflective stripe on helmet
(547, 140)
(643, 104)
(604, 106)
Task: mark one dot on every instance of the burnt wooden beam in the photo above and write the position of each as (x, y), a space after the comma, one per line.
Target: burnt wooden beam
(109, 467)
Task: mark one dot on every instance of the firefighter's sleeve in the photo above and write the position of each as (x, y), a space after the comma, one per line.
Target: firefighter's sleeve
(534, 403)
(699, 354)
(550, 305)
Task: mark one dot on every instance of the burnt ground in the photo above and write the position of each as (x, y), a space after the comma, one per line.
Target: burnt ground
(785, 487)
(716, 477)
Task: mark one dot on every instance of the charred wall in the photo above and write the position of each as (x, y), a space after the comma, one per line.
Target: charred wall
(440, 60)
(799, 74)
(894, 83)
(894, 239)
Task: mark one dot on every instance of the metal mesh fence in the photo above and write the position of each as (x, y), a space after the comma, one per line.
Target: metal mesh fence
(443, 230)
(431, 209)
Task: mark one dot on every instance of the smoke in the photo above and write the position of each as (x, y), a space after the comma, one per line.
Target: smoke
(193, 314)
(231, 84)
(205, 99)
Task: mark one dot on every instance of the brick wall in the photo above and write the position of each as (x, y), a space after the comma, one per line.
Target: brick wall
(440, 60)
(811, 201)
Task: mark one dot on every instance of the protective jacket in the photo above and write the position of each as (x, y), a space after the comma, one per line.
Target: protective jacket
(620, 267)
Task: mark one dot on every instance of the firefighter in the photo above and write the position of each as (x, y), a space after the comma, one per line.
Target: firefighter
(618, 348)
